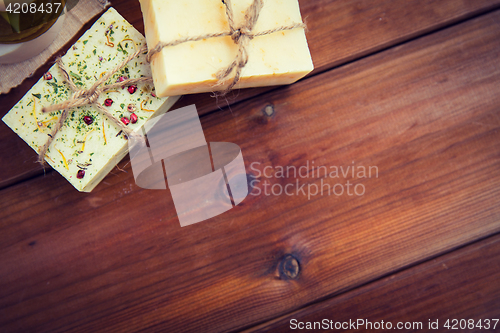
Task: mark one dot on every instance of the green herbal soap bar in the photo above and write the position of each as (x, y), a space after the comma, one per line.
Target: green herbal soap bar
(89, 144)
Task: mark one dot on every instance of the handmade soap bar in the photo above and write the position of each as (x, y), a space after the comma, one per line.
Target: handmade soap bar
(89, 144)
(273, 59)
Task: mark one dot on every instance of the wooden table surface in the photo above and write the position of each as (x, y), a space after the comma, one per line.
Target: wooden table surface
(410, 88)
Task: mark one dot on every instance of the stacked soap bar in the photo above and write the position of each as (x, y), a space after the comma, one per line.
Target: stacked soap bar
(278, 58)
(89, 144)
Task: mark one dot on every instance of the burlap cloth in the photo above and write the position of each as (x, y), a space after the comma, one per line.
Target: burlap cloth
(12, 75)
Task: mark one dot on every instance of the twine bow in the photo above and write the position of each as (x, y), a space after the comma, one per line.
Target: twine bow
(240, 35)
(83, 97)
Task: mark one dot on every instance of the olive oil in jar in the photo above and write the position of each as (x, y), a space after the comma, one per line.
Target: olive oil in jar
(22, 21)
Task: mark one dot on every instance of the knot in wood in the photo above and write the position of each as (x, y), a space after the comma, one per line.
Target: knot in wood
(289, 267)
(268, 110)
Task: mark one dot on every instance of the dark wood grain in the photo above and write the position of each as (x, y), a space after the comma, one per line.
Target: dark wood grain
(461, 285)
(339, 32)
(426, 113)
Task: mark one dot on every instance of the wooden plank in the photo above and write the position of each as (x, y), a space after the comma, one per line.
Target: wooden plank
(425, 113)
(461, 285)
(339, 32)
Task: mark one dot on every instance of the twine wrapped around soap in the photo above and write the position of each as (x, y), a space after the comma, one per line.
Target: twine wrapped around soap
(83, 97)
(241, 36)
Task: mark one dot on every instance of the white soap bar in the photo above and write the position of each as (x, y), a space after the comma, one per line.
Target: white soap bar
(89, 144)
(279, 58)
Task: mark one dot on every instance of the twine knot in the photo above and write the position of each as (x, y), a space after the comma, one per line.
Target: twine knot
(93, 95)
(88, 96)
(235, 36)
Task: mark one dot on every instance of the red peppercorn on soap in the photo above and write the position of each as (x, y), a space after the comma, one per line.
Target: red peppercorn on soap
(89, 144)
(276, 58)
